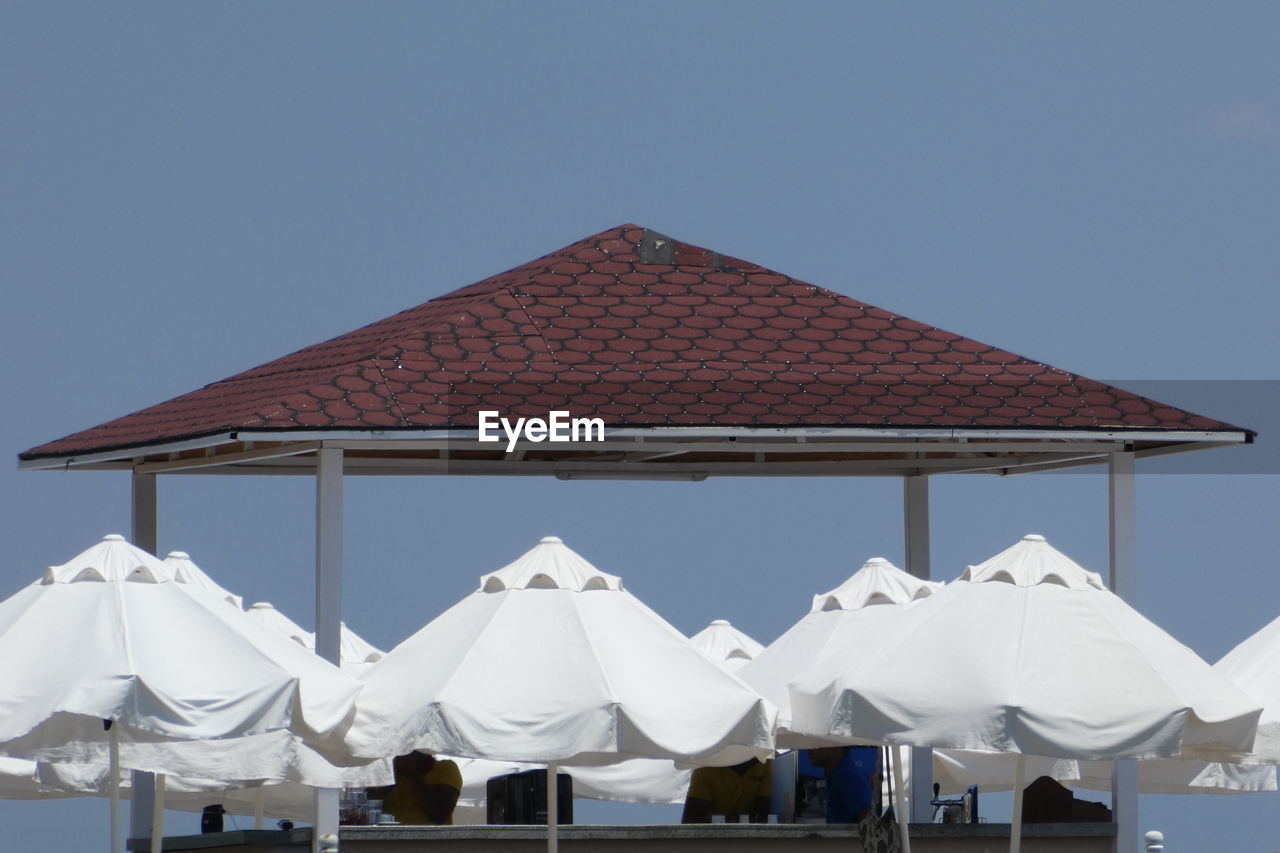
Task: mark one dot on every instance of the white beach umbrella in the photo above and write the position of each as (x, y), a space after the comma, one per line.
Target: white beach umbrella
(841, 622)
(288, 793)
(354, 651)
(1254, 666)
(638, 780)
(724, 644)
(552, 661)
(109, 636)
(284, 792)
(186, 572)
(847, 619)
(1053, 665)
(355, 654)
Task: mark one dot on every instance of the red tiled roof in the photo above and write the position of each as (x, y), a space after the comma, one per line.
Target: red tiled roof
(641, 330)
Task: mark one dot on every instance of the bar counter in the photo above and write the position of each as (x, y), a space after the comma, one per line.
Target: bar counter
(664, 838)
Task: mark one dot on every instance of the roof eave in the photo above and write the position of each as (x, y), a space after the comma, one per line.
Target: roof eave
(202, 452)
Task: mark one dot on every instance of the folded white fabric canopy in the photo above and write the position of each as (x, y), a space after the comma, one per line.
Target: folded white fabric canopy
(551, 660)
(639, 780)
(1028, 652)
(954, 770)
(1174, 776)
(268, 798)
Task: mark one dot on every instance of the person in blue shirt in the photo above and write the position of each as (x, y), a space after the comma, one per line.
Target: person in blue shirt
(853, 774)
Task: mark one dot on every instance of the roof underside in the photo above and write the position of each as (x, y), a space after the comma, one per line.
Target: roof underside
(672, 346)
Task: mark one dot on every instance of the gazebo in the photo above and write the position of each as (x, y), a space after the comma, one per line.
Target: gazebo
(694, 364)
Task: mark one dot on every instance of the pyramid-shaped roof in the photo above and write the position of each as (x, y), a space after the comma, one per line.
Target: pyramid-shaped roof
(641, 331)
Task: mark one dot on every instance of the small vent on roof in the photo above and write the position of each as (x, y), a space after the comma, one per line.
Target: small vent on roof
(494, 585)
(542, 581)
(657, 248)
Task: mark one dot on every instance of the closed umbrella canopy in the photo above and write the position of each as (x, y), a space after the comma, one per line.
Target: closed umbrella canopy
(724, 644)
(551, 660)
(111, 636)
(1030, 653)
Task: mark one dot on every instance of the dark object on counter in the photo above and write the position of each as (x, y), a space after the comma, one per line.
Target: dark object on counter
(521, 798)
(1047, 801)
(211, 818)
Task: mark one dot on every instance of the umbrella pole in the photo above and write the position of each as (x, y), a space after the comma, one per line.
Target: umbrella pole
(553, 810)
(1015, 831)
(113, 768)
(259, 807)
(899, 796)
(157, 816)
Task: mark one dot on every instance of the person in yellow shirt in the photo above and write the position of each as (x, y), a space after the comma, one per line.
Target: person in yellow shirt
(731, 791)
(425, 792)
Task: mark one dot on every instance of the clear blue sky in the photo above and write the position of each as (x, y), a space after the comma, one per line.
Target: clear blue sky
(190, 190)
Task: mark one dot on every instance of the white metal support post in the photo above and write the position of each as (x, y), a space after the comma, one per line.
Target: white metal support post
(143, 535)
(915, 505)
(328, 602)
(1122, 496)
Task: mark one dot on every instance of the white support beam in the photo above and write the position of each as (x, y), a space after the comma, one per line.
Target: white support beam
(1122, 501)
(143, 534)
(915, 525)
(329, 464)
(328, 602)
